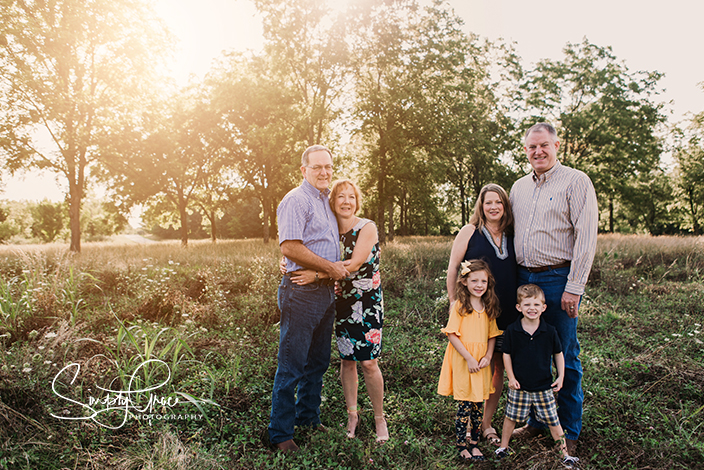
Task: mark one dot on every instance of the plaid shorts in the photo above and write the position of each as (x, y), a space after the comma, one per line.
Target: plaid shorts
(520, 402)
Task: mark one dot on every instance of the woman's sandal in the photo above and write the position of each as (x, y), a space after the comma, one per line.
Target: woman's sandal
(352, 421)
(491, 436)
(470, 450)
(382, 431)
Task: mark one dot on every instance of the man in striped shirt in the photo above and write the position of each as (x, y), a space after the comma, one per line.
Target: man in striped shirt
(556, 220)
(309, 238)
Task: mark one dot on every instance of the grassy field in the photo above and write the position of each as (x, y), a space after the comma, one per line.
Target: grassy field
(199, 325)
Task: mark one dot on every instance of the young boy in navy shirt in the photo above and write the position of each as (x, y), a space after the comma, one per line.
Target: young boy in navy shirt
(529, 347)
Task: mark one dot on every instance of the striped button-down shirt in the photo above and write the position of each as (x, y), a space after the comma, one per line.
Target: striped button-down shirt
(304, 214)
(556, 219)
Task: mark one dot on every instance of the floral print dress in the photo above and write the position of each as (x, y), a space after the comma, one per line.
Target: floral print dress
(359, 305)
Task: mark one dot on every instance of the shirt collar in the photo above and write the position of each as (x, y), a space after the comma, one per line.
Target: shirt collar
(541, 328)
(548, 174)
(312, 190)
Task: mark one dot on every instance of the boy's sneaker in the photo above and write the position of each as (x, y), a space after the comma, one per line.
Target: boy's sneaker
(503, 452)
(570, 462)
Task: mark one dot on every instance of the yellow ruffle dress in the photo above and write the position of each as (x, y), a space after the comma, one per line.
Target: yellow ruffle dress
(474, 331)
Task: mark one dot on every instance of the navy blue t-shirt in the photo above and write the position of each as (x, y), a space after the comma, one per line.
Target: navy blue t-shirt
(532, 355)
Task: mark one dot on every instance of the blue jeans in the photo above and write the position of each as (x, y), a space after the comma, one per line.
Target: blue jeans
(307, 316)
(571, 397)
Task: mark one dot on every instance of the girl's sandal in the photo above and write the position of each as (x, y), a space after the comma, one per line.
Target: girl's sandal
(472, 456)
(570, 462)
(352, 421)
(382, 431)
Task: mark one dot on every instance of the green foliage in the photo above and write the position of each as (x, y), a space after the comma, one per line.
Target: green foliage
(48, 220)
(640, 329)
(608, 121)
(71, 71)
(689, 174)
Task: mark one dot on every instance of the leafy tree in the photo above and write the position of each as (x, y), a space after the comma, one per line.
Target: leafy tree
(70, 70)
(391, 59)
(255, 126)
(426, 106)
(165, 162)
(647, 201)
(242, 219)
(100, 219)
(308, 54)
(48, 220)
(7, 228)
(608, 119)
(275, 104)
(689, 173)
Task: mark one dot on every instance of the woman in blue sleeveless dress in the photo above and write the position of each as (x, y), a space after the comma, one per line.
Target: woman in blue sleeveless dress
(489, 236)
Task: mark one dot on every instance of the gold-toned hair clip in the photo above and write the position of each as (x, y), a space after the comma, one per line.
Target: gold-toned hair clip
(465, 268)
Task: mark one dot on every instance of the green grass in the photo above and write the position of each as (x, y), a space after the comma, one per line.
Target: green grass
(209, 311)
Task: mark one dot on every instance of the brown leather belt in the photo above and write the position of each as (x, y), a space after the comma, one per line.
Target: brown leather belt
(325, 282)
(542, 269)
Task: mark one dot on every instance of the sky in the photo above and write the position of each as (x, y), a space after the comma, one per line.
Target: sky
(650, 36)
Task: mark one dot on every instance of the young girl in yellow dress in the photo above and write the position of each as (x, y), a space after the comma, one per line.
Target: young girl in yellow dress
(471, 330)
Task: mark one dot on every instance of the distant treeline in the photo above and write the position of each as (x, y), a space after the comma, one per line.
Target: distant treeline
(419, 112)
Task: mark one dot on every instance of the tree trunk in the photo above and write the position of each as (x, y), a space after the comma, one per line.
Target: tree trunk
(391, 221)
(463, 206)
(381, 222)
(213, 227)
(693, 210)
(74, 212)
(183, 214)
(611, 215)
(266, 216)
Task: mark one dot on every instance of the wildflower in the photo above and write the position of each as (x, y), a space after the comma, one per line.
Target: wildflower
(667, 339)
(50, 335)
(26, 370)
(676, 335)
(33, 334)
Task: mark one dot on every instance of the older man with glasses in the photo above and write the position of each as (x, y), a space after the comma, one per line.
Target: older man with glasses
(308, 238)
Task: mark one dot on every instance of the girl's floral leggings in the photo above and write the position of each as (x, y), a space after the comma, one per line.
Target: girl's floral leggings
(468, 411)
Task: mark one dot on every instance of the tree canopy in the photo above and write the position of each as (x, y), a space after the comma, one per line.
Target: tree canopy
(421, 113)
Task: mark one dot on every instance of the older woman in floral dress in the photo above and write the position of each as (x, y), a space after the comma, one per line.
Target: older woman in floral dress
(358, 306)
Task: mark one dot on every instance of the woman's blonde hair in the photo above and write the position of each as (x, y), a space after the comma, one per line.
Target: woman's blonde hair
(338, 186)
(490, 300)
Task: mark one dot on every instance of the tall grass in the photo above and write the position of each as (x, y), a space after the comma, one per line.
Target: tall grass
(210, 312)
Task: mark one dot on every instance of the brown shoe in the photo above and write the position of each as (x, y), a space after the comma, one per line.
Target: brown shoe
(526, 432)
(571, 447)
(287, 446)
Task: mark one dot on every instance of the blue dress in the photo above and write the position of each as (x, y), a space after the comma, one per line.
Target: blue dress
(358, 307)
(503, 266)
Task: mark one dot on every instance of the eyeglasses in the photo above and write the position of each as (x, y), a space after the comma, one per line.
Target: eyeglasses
(318, 168)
